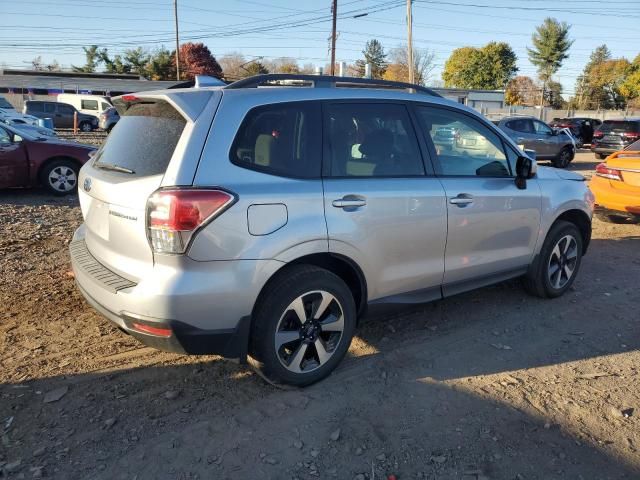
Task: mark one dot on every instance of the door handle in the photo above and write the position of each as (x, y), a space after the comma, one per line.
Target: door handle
(349, 201)
(462, 200)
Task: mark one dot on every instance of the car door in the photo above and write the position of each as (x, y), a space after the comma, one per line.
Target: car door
(36, 109)
(548, 143)
(14, 169)
(492, 225)
(65, 115)
(382, 210)
(49, 109)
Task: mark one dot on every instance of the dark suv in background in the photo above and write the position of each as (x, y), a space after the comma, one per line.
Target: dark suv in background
(60, 113)
(581, 128)
(614, 135)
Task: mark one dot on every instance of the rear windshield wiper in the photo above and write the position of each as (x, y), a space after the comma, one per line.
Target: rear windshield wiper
(113, 167)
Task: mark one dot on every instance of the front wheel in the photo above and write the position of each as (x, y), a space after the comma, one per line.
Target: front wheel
(86, 127)
(557, 265)
(303, 325)
(60, 177)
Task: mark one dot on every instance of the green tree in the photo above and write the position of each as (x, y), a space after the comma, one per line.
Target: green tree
(254, 68)
(587, 95)
(112, 65)
(630, 88)
(161, 65)
(374, 54)
(550, 46)
(490, 67)
(93, 59)
(136, 60)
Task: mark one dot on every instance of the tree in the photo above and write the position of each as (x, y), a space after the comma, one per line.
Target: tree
(609, 76)
(161, 65)
(36, 63)
(136, 60)
(587, 95)
(521, 90)
(550, 46)
(231, 64)
(112, 65)
(93, 59)
(630, 88)
(373, 54)
(53, 66)
(553, 95)
(490, 67)
(254, 68)
(196, 59)
(398, 68)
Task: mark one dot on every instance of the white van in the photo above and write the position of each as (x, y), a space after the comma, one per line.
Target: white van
(89, 104)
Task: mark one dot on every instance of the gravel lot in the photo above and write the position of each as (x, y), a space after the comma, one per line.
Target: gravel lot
(489, 384)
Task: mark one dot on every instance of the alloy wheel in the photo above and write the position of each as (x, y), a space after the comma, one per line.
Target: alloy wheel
(563, 261)
(63, 179)
(309, 331)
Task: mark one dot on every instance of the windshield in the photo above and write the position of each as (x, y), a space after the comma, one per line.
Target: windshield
(5, 104)
(144, 139)
(29, 135)
(619, 126)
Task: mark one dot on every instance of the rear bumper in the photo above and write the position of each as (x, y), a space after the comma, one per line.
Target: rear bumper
(608, 149)
(202, 307)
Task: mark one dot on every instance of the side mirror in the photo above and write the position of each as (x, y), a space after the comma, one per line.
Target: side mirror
(524, 171)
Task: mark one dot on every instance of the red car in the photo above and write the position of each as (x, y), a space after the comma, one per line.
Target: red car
(27, 159)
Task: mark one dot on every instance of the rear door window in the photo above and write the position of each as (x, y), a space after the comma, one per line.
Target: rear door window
(49, 107)
(614, 126)
(35, 107)
(89, 104)
(371, 140)
(144, 142)
(281, 139)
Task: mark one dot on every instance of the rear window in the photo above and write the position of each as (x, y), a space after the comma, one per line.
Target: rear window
(619, 126)
(280, 139)
(143, 141)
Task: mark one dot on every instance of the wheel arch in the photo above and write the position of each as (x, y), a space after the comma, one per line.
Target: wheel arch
(581, 220)
(342, 266)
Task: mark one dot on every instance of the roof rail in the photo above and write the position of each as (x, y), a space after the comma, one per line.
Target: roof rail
(325, 81)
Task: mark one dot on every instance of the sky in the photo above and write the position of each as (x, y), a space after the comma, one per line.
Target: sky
(57, 29)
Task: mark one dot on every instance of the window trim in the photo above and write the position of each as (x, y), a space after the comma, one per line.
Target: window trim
(427, 171)
(315, 107)
(494, 129)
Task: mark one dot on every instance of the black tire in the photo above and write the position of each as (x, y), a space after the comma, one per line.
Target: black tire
(538, 281)
(564, 158)
(85, 127)
(601, 156)
(272, 312)
(66, 173)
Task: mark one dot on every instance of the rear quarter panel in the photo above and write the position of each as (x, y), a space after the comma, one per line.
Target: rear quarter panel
(39, 152)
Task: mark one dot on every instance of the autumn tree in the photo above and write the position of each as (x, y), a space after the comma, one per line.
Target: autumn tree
(490, 67)
(630, 88)
(587, 95)
(550, 46)
(609, 76)
(374, 54)
(522, 90)
(282, 65)
(398, 67)
(196, 59)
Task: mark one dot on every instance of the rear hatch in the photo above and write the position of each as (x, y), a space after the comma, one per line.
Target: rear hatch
(617, 133)
(151, 144)
(628, 164)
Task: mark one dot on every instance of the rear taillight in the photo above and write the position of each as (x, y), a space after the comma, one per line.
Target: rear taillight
(611, 173)
(631, 136)
(598, 134)
(173, 216)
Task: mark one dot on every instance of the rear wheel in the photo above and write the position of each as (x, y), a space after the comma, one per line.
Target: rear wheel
(564, 158)
(303, 325)
(86, 127)
(556, 268)
(60, 177)
(601, 156)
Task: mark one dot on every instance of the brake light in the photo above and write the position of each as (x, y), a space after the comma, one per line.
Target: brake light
(130, 98)
(632, 135)
(174, 216)
(598, 134)
(611, 173)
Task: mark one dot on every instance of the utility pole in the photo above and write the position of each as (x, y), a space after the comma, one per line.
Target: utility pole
(334, 11)
(175, 14)
(410, 43)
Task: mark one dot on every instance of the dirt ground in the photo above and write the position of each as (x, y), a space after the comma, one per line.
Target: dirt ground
(489, 384)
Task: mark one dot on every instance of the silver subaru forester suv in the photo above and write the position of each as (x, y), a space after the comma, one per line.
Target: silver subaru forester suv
(262, 218)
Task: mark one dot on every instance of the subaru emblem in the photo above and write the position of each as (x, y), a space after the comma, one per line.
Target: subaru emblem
(87, 184)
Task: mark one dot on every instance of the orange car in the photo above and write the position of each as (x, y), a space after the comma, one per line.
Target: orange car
(616, 185)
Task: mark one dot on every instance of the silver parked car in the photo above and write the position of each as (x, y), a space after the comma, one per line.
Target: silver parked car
(108, 119)
(263, 221)
(534, 134)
